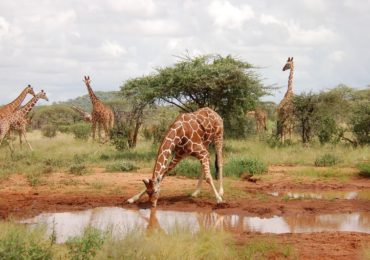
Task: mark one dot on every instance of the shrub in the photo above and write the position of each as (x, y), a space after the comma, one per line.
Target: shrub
(77, 169)
(327, 130)
(361, 123)
(49, 130)
(364, 169)
(234, 167)
(238, 166)
(118, 137)
(86, 246)
(81, 131)
(17, 242)
(120, 167)
(64, 129)
(34, 179)
(326, 160)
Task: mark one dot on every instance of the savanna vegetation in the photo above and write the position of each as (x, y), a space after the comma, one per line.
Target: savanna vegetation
(330, 143)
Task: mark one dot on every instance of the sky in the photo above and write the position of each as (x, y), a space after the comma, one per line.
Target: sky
(52, 44)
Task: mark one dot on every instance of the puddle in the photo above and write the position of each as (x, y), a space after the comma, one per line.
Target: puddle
(327, 195)
(121, 221)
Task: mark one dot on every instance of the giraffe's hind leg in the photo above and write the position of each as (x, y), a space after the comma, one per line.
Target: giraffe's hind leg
(219, 164)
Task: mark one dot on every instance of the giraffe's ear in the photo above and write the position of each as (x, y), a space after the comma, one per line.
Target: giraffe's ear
(291, 59)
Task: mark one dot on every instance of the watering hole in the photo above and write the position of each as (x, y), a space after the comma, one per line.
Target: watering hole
(324, 195)
(120, 221)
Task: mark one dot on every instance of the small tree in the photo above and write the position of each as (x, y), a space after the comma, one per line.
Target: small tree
(228, 85)
(361, 123)
(305, 108)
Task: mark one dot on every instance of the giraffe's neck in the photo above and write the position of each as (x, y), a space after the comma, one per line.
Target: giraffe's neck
(290, 81)
(164, 153)
(17, 102)
(27, 108)
(92, 95)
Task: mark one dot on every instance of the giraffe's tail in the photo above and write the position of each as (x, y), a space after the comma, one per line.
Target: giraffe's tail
(217, 174)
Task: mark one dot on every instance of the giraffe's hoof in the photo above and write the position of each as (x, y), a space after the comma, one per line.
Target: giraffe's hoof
(219, 200)
(130, 201)
(195, 194)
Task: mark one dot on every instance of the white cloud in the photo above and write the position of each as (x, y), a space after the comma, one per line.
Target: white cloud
(316, 36)
(336, 56)
(113, 49)
(4, 27)
(226, 15)
(269, 19)
(135, 7)
(155, 27)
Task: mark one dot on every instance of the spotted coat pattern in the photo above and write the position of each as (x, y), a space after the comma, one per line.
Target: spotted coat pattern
(15, 104)
(102, 115)
(189, 135)
(285, 110)
(17, 121)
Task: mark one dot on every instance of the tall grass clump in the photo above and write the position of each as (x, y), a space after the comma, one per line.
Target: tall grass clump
(86, 246)
(120, 167)
(266, 249)
(364, 169)
(237, 166)
(81, 131)
(18, 242)
(177, 244)
(327, 159)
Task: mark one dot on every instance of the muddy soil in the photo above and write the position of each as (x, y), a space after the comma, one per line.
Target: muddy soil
(59, 192)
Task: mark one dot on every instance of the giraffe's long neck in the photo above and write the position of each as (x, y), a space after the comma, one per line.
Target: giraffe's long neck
(290, 81)
(164, 153)
(92, 95)
(80, 111)
(28, 107)
(17, 102)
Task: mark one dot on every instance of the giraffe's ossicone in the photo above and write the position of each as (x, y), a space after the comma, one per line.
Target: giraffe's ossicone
(190, 134)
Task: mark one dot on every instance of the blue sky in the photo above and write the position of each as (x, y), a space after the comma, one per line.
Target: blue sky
(52, 44)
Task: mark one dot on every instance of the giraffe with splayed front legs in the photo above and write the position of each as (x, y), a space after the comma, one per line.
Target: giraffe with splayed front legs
(18, 121)
(190, 134)
(15, 104)
(102, 115)
(285, 110)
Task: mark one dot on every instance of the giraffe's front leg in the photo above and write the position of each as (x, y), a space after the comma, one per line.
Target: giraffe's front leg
(203, 156)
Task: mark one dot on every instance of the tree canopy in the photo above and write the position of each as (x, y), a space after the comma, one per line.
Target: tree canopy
(228, 85)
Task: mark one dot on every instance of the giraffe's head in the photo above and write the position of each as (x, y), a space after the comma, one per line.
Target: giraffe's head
(29, 90)
(42, 95)
(288, 64)
(152, 189)
(87, 80)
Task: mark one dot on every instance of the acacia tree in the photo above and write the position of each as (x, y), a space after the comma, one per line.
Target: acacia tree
(226, 84)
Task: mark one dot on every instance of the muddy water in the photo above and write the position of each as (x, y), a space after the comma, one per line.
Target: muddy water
(121, 221)
(328, 195)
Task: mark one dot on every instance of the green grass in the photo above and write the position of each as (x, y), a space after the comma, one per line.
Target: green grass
(364, 169)
(323, 173)
(120, 167)
(60, 153)
(19, 242)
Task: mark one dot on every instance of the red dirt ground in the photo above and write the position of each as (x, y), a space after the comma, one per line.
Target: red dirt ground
(64, 192)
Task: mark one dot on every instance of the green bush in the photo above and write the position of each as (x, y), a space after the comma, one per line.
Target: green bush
(86, 246)
(234, 167)
(118, 137)
(17, 242)
(327, 130)
(81, 131)
(78, 169)
(238, 166)
(327, 160)
(364, 169)
(120, 167)
(49, 130)
(64, 129)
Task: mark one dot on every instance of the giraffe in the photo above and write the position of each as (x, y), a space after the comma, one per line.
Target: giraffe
(86, 116)
(190, 134)
(102, 115)
(261, 119)
(17, 121)
(14, 105)
(285, 109)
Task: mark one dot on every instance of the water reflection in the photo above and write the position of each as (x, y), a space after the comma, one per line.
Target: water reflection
(121, 221)
(348, 195)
